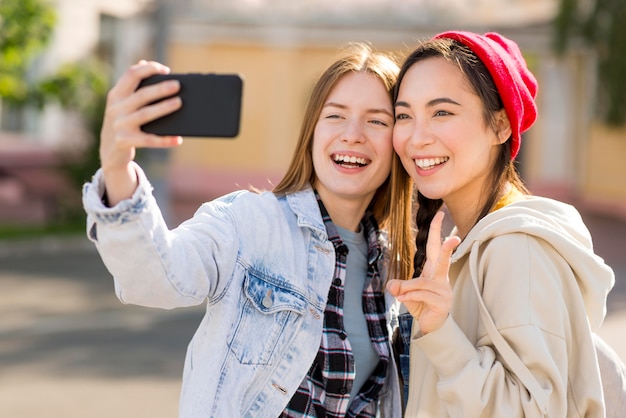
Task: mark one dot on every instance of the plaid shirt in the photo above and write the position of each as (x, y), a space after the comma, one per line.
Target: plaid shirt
(325, 390)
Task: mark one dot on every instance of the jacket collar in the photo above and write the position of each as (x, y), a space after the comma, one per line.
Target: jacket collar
(304, 205)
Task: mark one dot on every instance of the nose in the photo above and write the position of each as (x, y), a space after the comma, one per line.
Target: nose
(353, 132)
(421, 135)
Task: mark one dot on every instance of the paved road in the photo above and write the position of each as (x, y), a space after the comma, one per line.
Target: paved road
(69, 349)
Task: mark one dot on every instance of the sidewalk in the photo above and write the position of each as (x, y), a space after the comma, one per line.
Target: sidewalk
(70, 349)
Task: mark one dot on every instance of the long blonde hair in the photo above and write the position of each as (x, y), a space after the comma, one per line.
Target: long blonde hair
(391, 204)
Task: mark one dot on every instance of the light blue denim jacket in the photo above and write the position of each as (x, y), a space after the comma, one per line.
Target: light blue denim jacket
(264, 266)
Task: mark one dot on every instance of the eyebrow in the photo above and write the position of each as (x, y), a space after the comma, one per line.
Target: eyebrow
(430, 103)
(372, 110)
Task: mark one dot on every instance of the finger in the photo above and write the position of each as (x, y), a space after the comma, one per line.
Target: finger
(145, 140)
(424, 297)
(159, 94)
(433, 244)
(143, 69)
(394, 287)
(148, 113)
(156, 141)
(129, 81)
(154, 92)
(442, 267)
(401, 287)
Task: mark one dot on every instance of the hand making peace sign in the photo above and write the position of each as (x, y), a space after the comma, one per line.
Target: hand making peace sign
(429, 297)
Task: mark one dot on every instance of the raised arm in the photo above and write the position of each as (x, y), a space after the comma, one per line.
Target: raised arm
(126, 110)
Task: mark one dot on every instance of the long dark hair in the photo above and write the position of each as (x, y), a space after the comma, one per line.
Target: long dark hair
(504, 171)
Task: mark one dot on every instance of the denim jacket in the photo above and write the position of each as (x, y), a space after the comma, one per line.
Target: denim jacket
(262, 263)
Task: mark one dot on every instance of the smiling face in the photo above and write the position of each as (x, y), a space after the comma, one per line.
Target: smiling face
(442, 137)
(352, 145)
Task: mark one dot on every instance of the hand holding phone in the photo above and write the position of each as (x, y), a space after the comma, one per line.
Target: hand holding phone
(211, 106)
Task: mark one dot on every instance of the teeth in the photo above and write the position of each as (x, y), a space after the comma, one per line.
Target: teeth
(349, 159)
(428, 163)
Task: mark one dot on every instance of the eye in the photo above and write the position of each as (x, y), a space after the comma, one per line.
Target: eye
(442, 113)
(402, 116)
(379, 122)
(332, 116)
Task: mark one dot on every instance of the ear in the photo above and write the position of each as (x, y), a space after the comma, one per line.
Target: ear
(503, 127)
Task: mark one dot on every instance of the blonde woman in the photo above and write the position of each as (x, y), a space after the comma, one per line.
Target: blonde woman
(297, 320)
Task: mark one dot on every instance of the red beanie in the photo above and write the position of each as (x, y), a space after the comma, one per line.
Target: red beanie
(515, 83)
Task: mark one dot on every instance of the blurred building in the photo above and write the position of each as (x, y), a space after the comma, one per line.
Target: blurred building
(281, 46)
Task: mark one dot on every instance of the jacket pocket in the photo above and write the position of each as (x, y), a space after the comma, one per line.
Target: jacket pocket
(268, 317)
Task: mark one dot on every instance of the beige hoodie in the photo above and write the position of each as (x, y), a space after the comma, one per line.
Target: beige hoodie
(546, 291)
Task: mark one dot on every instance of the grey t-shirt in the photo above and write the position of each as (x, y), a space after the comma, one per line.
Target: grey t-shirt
(365, 357)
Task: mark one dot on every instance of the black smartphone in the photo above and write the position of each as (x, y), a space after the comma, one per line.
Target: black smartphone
(211, 106)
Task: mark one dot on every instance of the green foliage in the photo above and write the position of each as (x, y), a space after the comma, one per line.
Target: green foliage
(602, 24)
(80, 86)
(564, 24)
(76, 85)
(25, 29)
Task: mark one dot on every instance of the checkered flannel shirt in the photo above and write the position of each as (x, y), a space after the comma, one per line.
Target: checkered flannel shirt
(325, 391)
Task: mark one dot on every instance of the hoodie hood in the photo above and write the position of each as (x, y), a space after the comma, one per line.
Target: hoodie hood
(560, 225)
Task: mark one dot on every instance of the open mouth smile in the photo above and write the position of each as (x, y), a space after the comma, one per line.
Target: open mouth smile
(429, 163)
(350, 160)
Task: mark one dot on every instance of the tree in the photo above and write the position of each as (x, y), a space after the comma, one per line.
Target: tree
(79, 86)
(602, 24)
(26, 27)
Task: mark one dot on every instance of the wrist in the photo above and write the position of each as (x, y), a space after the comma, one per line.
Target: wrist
(119, 184)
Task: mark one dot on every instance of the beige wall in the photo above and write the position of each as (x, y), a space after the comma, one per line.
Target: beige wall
(551, 149)
(567, 155)
(276, 85)
(604, 184)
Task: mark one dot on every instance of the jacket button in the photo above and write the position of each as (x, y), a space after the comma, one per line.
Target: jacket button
(267, 299)
(337, 282)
